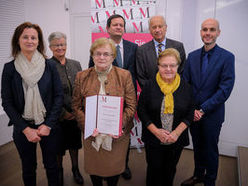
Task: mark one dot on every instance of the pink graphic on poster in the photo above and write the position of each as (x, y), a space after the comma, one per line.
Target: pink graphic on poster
(138, 38)
(136, 14)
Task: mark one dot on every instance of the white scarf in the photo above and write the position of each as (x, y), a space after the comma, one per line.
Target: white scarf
(103, 140)
(31, 72)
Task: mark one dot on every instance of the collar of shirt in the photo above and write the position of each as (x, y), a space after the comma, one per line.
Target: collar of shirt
(156, 45)
(58, 62)
(55, 59)
(120, 44)
(210, 52)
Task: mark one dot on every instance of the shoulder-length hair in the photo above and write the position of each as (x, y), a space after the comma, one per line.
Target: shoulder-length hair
(18, 32)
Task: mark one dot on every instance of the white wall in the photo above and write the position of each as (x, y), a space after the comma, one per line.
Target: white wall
(80, 31)
(11, 14)
(184, 19)
(51, 16)
(232, 15)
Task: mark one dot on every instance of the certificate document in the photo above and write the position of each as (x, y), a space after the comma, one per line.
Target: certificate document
(104, 113)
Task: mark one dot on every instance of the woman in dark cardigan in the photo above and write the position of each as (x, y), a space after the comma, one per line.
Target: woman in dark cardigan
(165, 109)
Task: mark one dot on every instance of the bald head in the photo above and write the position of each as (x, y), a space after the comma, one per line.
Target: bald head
(157, 17)
(210, 31)
(158, 28)
(212, 21)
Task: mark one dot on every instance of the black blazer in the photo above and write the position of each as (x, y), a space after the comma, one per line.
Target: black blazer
(146, 60)
(129, 56)
(149, 108)
(13, 96)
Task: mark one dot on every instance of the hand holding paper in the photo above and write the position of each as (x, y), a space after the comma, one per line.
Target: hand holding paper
(95, 132)
(104, 113)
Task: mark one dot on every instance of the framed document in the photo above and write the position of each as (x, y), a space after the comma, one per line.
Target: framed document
(104, 113)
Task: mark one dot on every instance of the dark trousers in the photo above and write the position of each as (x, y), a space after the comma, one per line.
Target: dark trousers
(205, 137)
(27, 152)
(161, 164)
(128, 152)
(111, 181)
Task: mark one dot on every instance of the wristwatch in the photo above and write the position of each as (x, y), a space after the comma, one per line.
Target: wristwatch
(201, 111)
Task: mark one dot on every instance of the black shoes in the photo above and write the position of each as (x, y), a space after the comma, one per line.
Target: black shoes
(127, 175)
(192, 181)
(77, 176)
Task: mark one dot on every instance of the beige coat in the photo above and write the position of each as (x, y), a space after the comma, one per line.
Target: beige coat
(119, 83)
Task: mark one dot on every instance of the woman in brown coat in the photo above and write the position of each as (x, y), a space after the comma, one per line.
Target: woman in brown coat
(105, 163)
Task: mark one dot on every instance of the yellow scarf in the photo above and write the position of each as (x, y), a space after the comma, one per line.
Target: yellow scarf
(168, 90)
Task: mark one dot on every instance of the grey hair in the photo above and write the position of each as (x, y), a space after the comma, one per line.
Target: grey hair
(56, 35)
(157, 16)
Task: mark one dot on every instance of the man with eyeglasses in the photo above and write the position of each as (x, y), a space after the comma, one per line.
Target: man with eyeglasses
(126, 57)
(70, 132)
(147, 54)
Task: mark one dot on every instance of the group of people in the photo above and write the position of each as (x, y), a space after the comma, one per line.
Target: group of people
(45, 100)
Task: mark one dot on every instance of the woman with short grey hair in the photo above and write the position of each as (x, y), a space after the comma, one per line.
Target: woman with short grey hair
(70, 133)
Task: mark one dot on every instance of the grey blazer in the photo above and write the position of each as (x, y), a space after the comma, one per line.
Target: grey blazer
(146, 59)
(67, 74)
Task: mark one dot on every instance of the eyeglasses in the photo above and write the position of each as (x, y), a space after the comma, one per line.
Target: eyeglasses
(168, 66)
(105, 54)
(59, 45)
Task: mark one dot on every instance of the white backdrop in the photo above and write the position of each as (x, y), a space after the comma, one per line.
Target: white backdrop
(183, 19)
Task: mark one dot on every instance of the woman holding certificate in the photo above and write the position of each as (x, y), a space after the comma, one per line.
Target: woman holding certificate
(104, 154)
(165, 109)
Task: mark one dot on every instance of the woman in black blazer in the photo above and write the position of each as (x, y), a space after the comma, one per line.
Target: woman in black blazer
(32, 97)
(165, 109)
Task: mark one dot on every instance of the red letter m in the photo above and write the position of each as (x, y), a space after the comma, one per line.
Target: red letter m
(143, 13)
(108, 14)
(117, 2)
(130, 14)
(96, 18)
(99, 5)
(140, 29)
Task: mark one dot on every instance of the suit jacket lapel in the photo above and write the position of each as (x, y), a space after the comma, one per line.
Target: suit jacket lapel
(152, 52)
(168, 43)
(126, 52)
(197, 67)
(115, 63)
(19, 88)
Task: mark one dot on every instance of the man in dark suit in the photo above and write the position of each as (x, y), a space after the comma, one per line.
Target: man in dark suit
(147, 54)
(126, 58)
(116, 28)
(210, 71)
